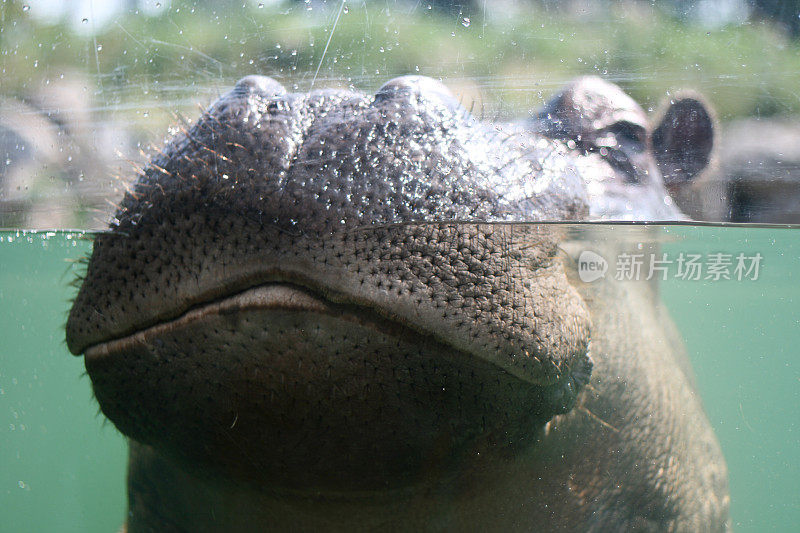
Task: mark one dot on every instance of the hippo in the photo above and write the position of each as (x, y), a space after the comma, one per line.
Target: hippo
(334, 311)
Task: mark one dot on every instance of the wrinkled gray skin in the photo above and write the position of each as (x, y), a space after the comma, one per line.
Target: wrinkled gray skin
(283, 355)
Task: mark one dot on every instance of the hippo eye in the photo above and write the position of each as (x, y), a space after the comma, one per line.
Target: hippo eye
(620, 144)
(628, 134)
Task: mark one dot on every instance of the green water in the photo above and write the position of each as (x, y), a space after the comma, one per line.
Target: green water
(744, 341)
(62, 468)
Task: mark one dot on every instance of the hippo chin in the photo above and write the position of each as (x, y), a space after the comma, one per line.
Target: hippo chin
(294, 333)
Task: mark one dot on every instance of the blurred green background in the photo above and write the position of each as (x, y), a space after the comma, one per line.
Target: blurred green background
(516, 52)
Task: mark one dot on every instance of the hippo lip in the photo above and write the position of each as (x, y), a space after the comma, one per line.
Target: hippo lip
(200, 304)
(279, 296)
(270, 296)
(459, 296)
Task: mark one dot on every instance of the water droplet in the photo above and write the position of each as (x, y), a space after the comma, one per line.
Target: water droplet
(465, 22)
(261, 5)
(146, 114)
(84, 20)
(99, 47)
(26, 7)
(381, 49)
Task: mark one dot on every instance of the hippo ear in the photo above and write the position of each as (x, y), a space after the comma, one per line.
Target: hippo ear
(683, 141)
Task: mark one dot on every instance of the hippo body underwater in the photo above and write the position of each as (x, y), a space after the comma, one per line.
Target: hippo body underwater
(294, 334)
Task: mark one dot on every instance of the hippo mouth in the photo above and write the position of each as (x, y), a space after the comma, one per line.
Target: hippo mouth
(458, 284)
(276, 296)
(284, 385)
(286, 297)
(292, 368)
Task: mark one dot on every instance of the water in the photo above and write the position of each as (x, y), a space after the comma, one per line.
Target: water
(63, 468)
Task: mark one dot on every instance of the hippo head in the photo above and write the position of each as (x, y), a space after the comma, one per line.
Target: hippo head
(628, 167)
(283, 299)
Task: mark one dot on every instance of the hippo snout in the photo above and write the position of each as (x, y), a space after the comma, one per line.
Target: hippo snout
(280, 278)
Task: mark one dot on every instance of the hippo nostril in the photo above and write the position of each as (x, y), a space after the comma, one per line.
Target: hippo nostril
(416, 90)
(263, 86)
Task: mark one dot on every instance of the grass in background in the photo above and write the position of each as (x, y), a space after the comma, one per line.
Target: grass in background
(515, 61)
